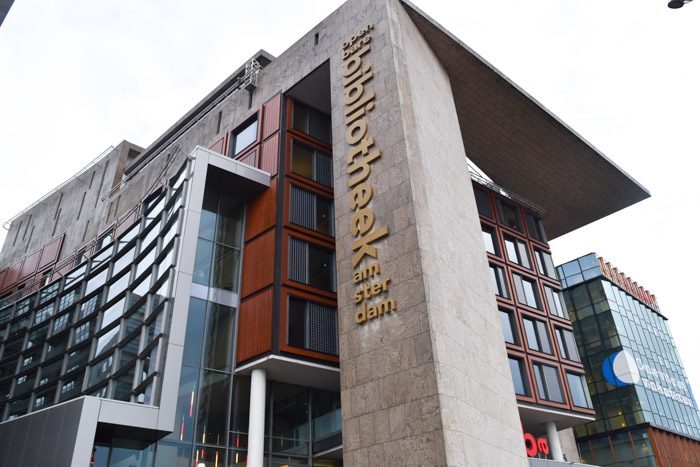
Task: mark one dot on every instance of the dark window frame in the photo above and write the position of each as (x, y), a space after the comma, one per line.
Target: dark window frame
(239, 130)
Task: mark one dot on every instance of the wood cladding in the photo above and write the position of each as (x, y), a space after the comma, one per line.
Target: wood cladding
(271, 116)
(671, 450)
(258, 263)
(255, 326)
(261, 212)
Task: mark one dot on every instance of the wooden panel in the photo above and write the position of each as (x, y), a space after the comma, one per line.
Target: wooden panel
(255, 326)
(30, 264)
(261, 211)
(220, 145)
(250, 157)
(271, 116)
(258, 263)
(269, 154)
(49, 254)
(12, 275)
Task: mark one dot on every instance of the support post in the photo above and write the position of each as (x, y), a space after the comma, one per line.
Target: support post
(256, 429)
(554, 442)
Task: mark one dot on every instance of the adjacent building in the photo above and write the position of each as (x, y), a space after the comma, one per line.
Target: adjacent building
(294, 273)
(646, 412)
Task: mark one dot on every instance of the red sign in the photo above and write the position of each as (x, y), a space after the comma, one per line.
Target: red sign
(534, 446)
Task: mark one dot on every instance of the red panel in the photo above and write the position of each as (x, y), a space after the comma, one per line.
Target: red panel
(219, 145)
(30, 264)
(255, 326)
(250, 157)
(12, 275)
(50, 253)
(271, 116)
(269, 155)
(2, 277)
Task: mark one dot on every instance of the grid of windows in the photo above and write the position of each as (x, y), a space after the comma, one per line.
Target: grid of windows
(607, 320)
(75, 333)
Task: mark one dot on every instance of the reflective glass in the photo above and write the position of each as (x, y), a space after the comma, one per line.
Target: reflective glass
(118, 287)
(108, 340)
(194, 336)
(218, 353)
(212, 408)
(516, 373)
(202, 262)
(112, 313)
(96, 281)
(146, 262)
(245, 136)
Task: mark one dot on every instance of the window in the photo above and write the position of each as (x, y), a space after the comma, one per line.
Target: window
(555, 302)
(244, 136)
(537, 335)
(82, 333)
(567, 344)
(482, 202)
(517, 252)
(526, 291)
(545, 264)
(312, 163)
(535, 228)
(43, 314)
(510, 334)
(579, 390)
(312, 326)
(61, 323)
(311, 264)
(509, 216)
(498, 281)
(517, 372)
(312, 122)
(311, 210)
(89, 307)
(490, 240)
(548, 383)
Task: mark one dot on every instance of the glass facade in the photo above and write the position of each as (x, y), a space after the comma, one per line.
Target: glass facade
(635, 374)
(98, 330)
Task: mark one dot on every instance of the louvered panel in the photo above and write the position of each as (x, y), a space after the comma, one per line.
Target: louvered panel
(551, 379)
(320, 126)
(298, 254)
(324, 169)
(323, 329)
(301, 208)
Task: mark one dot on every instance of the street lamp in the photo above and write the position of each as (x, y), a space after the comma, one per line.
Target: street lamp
(675, 4)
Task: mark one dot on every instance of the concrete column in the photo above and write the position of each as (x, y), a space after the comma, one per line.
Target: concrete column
(554, 442)
(256, 424)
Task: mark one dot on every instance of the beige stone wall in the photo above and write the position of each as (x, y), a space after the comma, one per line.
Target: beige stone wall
(427, 384)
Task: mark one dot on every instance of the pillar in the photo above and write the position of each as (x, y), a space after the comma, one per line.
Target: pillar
(554, 442)
(256, 424)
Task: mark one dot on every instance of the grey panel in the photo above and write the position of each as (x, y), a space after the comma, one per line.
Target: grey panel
(551, 378)
(323, 329)
(298, 260)
(301, 208)
(324, 169)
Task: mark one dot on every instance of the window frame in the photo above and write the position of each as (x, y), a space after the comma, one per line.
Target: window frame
(535, 290)
(234, 134)
(500, 280)
(539, 327)
(545, 388)
(521, 251)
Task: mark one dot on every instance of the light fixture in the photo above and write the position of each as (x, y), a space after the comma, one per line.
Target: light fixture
(675, 4)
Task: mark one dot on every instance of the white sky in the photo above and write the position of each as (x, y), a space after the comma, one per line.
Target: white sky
(76, 77)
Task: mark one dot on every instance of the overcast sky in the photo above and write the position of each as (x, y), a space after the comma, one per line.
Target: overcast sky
(78, 76)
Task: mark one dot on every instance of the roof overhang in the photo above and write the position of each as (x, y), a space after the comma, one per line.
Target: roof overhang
(522, 146)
